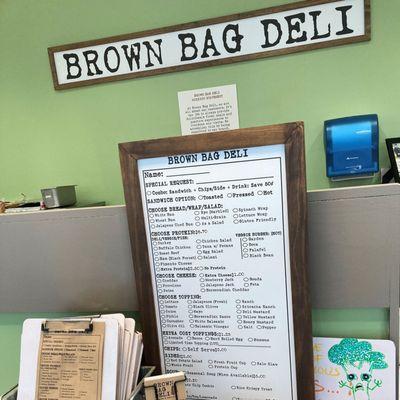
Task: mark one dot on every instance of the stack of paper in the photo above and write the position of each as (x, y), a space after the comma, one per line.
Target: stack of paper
(121, 353)
(130, 352)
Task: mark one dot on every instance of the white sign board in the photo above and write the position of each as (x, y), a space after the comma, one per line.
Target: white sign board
(354, 369)
(262, 33)
(208, 110)
(217, 237)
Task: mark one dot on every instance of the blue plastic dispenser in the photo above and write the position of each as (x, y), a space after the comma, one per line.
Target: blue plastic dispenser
(351, 146)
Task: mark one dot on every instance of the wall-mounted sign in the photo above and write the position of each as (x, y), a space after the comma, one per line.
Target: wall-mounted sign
(393, 147)
(217, 224)
(300, 26)
(208, 110)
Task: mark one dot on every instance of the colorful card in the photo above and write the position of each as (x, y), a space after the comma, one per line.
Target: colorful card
(354, 369)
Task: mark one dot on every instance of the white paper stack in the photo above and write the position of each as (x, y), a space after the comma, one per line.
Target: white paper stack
(122, 354)
(130, 349)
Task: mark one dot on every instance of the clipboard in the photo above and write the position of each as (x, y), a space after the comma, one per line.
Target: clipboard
(129, 356)
(30, 345)
(79, 326)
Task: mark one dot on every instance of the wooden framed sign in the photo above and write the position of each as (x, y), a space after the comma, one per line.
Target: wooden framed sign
(218, 232)
(300, 26)
(393, 148)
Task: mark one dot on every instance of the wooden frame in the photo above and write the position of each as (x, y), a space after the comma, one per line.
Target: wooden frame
(392, 156)
(219, 61)
(292, 136)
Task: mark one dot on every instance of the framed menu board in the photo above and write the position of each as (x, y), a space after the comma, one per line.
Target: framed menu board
(218, 232)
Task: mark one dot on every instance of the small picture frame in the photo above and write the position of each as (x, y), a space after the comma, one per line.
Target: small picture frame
(393, 148)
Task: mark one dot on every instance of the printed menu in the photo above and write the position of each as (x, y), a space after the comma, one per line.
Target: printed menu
(70, 365)
(217, 234)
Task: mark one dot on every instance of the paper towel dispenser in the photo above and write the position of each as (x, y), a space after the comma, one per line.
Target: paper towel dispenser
(351, 146)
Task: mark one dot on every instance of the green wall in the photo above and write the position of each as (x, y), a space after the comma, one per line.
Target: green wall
(50, 138)
(70, 137)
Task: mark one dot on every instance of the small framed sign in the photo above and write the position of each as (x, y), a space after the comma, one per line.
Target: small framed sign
(218, 232)
(350, 368)
(393, 148)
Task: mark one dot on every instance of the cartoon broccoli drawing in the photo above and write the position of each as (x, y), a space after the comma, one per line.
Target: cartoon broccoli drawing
(358, 361)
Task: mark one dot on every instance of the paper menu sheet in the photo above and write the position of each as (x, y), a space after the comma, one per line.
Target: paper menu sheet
(216, 225)
(208, 110)
(70, 365)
